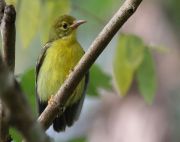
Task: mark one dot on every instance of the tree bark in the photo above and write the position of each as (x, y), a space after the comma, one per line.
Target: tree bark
(4, 113)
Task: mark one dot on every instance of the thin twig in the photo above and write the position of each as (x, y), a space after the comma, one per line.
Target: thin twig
(96, 48)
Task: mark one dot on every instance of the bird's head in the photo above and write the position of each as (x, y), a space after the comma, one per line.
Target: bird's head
(64, 26)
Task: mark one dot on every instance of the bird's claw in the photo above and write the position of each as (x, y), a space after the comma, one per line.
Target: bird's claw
(71, 70)
(50, 101)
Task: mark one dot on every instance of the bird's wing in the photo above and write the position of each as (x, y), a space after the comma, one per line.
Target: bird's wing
(72, 112)
(41, 105)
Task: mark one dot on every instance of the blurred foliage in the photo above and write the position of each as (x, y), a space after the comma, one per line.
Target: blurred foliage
(98, 79)
(11, 2)
(133, 61)
(27, 82)
(16, 136)
(36, 16)
(91, 8)
(146, 77)
(172, 8)
(128, 56)
(28, 20)
(81, 139)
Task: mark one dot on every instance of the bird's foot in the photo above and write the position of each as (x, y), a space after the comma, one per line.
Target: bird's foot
(50, 101)
(70, 71)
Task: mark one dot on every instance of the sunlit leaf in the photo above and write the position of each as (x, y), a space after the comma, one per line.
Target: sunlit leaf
(28, 85)
(15, 135)
(128, 57)
(82, 139)
(13, 2)
(146, 77)
(134, 50)
(98, 79)
(28, 20)
(123, 75)
(51, 9)
(91, 8)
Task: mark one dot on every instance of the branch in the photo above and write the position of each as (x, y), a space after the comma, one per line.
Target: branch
(21, 116)
(4, 112)
(2, 6)
(8, 33)
(96, 48)
(4, 123)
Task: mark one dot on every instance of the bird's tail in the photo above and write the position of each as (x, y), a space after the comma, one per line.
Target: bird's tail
(59, 123)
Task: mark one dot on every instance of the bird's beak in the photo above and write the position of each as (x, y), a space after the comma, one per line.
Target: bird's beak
(77, 23)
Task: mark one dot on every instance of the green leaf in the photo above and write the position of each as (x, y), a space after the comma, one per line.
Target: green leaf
(16, 136)
(28, 20)
(128, 57)
(28, 86)
(81, 139)
(98, 79)
(91, 8)
(13, 2)
(146, 77)
(134, 51)
(50, 11)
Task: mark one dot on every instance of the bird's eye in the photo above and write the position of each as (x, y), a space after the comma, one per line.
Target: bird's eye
(65, 26)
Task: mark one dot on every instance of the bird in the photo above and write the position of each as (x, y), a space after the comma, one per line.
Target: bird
(58, 57)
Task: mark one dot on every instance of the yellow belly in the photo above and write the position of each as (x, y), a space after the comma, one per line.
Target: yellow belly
(60, 59)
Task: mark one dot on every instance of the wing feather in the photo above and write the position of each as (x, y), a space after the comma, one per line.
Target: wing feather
(72, 112)
(41, 105)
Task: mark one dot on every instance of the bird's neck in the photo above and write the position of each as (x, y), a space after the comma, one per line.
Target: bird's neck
(53, 36)
(67, 40)
(71, 37)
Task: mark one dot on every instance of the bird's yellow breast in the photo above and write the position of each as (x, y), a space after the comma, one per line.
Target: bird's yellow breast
(59, 60)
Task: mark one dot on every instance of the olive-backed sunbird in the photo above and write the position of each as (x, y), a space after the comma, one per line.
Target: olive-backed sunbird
(58, 58)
